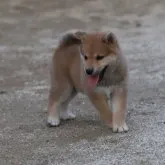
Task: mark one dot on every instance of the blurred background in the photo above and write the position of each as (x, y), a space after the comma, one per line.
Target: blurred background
(33, 27)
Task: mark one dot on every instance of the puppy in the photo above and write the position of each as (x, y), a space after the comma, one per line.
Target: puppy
(93, 64)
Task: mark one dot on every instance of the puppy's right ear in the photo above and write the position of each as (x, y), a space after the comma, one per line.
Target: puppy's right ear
(80, 35)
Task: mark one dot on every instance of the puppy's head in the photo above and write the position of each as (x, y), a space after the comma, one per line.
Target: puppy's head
(97, 51)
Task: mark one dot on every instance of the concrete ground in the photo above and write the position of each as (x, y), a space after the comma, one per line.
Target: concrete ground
(29, 30)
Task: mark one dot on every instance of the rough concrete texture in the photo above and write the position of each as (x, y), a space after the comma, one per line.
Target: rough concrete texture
(29, 30)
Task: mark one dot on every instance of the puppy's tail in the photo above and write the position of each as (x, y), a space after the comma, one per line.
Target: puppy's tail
(69, 40)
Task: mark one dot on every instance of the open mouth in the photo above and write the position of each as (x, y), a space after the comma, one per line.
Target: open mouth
(93, 80)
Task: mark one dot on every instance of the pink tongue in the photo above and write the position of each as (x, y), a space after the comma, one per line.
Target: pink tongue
(92, 81)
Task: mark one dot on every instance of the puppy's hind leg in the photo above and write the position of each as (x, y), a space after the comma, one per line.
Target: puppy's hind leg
(66, 113)
(99, 100)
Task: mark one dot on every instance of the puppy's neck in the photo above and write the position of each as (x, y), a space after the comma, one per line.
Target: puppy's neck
(114, 75)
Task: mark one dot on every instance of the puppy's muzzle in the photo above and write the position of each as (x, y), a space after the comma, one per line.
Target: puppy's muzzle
(89, 71)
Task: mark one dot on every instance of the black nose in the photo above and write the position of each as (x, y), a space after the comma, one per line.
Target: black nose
(89, 71)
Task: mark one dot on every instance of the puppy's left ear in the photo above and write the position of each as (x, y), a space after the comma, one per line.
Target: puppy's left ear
(80, 35)
(110, 38)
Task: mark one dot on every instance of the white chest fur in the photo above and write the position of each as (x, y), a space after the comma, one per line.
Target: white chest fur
(106, 90)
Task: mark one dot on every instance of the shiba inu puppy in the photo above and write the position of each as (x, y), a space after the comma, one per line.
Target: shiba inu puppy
(93, 64)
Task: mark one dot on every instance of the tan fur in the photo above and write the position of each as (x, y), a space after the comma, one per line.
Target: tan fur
(68, 77)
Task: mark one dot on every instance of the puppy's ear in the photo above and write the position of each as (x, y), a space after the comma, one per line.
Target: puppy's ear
(110, 38)
(80, 35)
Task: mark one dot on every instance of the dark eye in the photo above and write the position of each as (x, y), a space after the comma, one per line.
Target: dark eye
(99, 57)
(85, 57)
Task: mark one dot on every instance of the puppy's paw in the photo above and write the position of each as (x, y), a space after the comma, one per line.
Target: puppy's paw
(66, 115)
(122, 128)
(53, 121)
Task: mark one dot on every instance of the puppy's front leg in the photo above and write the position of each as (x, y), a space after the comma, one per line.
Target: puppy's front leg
(99, 100)
(53, 109)
(119, 108)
